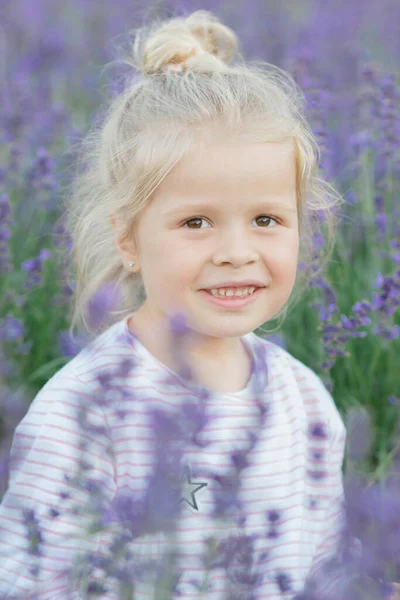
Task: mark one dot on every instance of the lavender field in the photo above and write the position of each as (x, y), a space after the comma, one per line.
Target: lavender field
(346, 326)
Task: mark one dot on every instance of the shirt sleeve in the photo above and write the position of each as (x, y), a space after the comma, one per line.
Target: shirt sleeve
(48, 444)
(334, 518)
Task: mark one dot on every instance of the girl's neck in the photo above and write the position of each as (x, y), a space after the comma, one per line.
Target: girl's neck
(227, 371)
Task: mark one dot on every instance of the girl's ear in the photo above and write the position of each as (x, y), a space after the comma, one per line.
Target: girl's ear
(125, 245)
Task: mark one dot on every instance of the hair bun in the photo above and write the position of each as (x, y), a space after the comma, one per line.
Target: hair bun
(199, 42)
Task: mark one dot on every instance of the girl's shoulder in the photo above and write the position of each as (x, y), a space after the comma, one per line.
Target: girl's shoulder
(77, 389)
(103, 355)
(312, 391)
(284, 362)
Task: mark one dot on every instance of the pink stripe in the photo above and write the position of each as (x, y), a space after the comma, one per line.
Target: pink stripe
(43, 503)
(232, 415)
(208, 430)
(149, 372)
(63, 484)
(215, 453)
(207, 503)
(46, 438)
(248, 477)
(261, 512)
(182, 543)
(149, 386)
(70, 391)
(61, 467)
(245, 477)
(98, 415)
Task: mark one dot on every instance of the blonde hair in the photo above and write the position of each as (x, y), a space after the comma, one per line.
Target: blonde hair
(188, 93)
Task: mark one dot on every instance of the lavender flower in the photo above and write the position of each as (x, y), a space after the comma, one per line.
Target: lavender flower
(353, 106)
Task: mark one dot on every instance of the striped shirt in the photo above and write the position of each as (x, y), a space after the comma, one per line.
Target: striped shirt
(291, 490)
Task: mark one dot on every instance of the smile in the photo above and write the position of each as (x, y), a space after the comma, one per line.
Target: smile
(232, 301)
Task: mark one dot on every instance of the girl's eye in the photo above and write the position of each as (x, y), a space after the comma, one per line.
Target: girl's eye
(202, 219)
(269, 219)
(192, 220)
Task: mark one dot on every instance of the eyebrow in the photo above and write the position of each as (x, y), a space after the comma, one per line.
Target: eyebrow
(207, 207)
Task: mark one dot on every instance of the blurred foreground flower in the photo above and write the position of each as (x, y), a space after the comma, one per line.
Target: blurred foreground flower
(372, 511)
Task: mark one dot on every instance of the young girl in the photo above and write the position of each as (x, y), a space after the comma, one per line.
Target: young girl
(199, 198)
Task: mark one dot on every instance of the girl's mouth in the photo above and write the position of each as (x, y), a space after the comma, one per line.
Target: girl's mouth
(232, 301)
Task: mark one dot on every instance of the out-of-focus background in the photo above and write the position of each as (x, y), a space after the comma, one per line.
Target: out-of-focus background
(344, 55)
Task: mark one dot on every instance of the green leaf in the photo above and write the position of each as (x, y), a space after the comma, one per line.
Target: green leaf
(49, 368)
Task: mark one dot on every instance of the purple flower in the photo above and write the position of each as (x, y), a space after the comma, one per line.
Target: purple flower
(226, 496)
(284, 582)
(165, 427)
(273, 516)
(178, 325)
(11, 329)
(240, 460)
(317, 430)
(106, 299)
(193, 420)
(239, 561)
(34, 533)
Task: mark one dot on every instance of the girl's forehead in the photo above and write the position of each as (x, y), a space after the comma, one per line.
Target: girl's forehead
(247, 175)
(271, 163)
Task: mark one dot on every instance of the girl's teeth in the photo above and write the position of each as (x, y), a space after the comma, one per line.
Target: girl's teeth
(229, 292)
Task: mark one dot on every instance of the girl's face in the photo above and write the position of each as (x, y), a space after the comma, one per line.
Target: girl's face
(225, 213)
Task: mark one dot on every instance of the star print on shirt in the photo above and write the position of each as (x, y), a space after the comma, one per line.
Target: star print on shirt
(187, 484)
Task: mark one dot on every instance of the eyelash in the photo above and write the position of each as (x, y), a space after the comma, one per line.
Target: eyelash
(277, 221)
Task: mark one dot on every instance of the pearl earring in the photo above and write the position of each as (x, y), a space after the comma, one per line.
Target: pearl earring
(131, 263)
